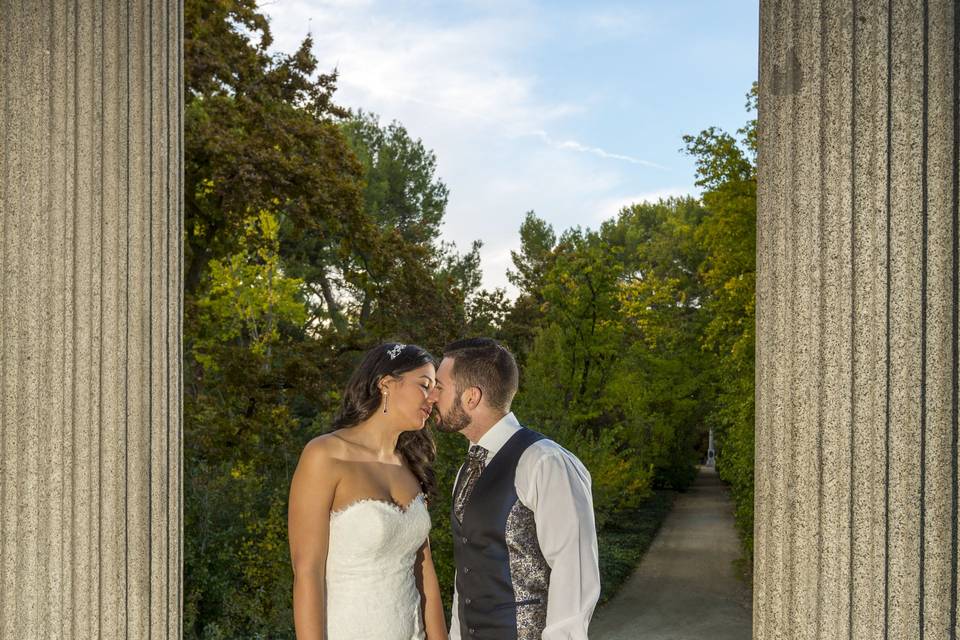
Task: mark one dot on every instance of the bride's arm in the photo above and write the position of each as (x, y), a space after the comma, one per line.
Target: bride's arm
(431, 605)
(308, 523)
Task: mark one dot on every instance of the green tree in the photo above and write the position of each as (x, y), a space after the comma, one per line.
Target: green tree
(661, 386)
(581, 297)
(258, 135)
(248, 297)
(238, 431)
(530, 267)
(402, 190)
(535, 258)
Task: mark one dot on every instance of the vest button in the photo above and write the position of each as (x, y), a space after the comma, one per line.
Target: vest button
(468, 600)
(466, 569)
(471, 631)
(464, 540)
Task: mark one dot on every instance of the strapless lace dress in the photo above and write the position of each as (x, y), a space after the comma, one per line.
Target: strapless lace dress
(371, 587)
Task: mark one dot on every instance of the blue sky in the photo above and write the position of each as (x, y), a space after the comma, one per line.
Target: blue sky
(573, 110)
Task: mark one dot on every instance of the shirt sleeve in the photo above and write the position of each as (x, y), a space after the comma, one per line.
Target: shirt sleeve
(454, 618)
(554, 484)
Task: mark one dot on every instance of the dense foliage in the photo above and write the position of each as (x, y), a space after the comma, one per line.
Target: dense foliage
(313, 233)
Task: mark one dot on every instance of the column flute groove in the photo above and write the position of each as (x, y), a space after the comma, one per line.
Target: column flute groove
(955, 439)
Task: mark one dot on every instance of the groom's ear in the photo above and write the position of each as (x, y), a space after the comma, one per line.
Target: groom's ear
(472, 397)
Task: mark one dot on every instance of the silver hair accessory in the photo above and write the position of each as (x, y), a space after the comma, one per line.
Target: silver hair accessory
(395, 351)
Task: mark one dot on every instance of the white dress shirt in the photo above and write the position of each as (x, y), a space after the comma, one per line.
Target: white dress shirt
(554, 484)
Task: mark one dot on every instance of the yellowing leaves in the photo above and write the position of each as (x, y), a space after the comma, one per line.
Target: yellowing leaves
(204, 188)
(249, 296)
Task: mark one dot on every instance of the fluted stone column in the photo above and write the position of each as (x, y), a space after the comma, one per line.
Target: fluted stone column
(857, 290)
(90, 319)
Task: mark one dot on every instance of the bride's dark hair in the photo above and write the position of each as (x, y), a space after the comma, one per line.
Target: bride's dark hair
(362, 397)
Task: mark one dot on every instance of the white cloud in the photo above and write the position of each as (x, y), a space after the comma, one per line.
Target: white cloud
(576, 146)
(610, 207)
(402, 63)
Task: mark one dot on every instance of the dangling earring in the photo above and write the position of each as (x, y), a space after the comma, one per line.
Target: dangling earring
(385, 398)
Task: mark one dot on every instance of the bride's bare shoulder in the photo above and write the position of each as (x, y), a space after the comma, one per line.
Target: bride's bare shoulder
(323, 451)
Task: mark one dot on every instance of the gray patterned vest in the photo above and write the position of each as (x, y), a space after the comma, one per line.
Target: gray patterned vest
(502, 577)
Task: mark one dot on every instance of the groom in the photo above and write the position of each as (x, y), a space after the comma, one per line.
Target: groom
(525, 542)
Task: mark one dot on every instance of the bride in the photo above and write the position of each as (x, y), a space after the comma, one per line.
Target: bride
(358, 520)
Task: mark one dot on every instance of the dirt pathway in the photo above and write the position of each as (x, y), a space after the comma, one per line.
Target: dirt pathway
(685, 587)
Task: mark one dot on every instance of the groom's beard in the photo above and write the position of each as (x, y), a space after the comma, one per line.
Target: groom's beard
(455, 420)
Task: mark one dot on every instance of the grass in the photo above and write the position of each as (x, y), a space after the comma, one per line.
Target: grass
(626, 537)
(743, 567)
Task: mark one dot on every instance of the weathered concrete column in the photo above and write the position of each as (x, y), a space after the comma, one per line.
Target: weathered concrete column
(90, 277)
(857, 289)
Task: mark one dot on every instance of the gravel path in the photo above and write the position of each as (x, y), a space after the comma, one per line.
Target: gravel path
(685, 587)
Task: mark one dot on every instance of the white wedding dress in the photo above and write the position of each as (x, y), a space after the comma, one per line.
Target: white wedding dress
(371, 587)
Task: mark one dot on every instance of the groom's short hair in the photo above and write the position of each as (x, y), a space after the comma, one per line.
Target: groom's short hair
(485, 363)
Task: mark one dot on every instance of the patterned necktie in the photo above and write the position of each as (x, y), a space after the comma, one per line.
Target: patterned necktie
(476, 460)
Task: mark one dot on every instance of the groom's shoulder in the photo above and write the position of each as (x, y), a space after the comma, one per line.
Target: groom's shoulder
(546, 446)
(547, 458)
